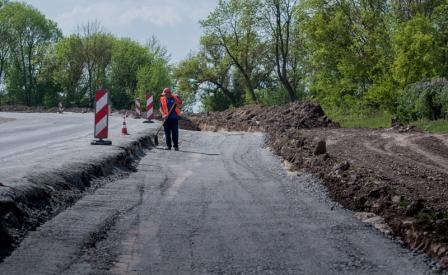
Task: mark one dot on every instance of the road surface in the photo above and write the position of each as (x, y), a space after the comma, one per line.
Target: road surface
(224, 205)
(32, 143)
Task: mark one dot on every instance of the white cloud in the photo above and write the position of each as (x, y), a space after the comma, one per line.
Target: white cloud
(170, 20)
(120, 14)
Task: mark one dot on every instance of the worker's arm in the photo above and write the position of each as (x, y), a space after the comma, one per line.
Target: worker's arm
(162, 113)
(179, 102)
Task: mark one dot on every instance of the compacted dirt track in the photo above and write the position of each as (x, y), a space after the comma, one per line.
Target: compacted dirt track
(415, 164)
(223, 204)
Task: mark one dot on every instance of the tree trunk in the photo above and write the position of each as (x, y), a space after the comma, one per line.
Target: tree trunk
(30, 75)
(91, 100)
(282, 50)
(289, 89)
(242, 70)
(226, 92)
(25, 78)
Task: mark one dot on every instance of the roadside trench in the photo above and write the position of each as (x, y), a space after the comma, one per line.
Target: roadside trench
(47, 194)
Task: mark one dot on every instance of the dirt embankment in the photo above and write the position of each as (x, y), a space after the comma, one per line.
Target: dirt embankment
(402, 177)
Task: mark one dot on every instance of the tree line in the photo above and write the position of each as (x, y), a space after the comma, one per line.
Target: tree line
(41, 67)
(350, 55)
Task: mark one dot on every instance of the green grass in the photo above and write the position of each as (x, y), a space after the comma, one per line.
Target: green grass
(445, 216)
(425, 215)
(403, 203)
(382, 120)
(377, 120)
(432, 126)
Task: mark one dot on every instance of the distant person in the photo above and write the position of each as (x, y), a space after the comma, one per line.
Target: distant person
(171, 124)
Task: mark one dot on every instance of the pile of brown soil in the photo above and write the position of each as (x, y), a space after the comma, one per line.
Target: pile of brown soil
(297, 115)
(186, 124)
(402, 177)
(18, 108)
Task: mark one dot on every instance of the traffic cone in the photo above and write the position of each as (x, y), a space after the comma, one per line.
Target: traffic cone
(124, 128)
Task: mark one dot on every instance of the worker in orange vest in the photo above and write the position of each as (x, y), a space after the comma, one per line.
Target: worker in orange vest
(171, 124)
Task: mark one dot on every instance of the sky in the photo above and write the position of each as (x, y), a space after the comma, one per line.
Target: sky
(174, 22)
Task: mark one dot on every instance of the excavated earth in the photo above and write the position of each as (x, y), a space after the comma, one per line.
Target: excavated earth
(398, 174)
(26, 109)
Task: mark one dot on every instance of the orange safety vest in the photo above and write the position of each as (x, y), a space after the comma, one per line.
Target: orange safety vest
(164, 106)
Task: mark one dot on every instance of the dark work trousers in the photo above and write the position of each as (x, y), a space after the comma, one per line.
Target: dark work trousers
(171, 127)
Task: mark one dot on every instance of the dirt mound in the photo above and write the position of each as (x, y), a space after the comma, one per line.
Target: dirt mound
(297, 115)
(40, 109)
(18, 108)
(399, 174)
(186, 124)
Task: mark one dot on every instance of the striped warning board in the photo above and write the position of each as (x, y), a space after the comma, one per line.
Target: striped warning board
(101, 117)
(138, 108)
(149, 107)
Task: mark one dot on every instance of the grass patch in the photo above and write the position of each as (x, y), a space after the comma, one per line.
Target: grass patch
(432, 126)
(445, 215)
(353, 120)
(403, 203)
(425, 215)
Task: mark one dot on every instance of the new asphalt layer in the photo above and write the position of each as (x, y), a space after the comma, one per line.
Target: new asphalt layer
(223, 204)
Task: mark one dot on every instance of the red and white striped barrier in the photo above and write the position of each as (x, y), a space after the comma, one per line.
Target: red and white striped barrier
(138, 108)
(149, 107)
(124, 128)
(101, 118)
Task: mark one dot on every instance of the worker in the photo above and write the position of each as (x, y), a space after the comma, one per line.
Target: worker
(171, 124)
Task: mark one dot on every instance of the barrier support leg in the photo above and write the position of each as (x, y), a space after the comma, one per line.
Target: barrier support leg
(101, 142)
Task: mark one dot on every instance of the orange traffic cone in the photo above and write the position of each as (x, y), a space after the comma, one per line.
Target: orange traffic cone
(124, 128)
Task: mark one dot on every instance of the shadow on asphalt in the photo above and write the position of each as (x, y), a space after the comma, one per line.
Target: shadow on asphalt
(190, 152)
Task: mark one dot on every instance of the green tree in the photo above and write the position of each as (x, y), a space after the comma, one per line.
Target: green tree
(68, 71)
(96, 54)
(154, 76)
(280, 23)
(31, 37)
(350, 53)
(3, 2)
(440, 19)
(416, 51)
(234, 26)
(5, 34)
(209, 71)
(128, 57)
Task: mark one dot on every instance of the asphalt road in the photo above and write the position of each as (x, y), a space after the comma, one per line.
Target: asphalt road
(223, 204)
(32, 143)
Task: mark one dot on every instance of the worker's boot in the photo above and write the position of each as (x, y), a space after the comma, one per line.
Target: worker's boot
(176, 148)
